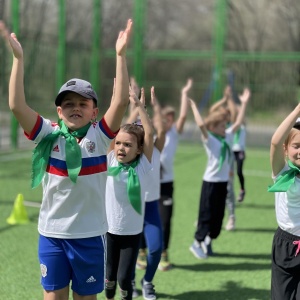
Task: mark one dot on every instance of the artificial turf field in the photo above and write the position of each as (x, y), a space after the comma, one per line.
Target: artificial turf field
(240, 270)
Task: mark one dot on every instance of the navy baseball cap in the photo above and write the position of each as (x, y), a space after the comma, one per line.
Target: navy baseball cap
(79, 86)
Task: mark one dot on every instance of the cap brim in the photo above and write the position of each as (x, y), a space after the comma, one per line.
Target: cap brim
(61, 95)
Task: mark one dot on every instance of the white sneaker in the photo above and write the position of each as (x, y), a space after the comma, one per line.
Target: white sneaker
(230, 224)
(199, 250)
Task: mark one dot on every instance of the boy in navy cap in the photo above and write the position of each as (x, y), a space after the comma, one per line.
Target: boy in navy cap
(70, 161)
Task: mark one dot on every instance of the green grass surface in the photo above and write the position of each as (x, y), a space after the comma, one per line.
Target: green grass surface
(239, 271)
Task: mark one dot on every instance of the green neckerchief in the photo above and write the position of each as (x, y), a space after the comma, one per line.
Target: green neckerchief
(285, 180)
(236, 136)
(224, 149)
(133, 183)
(41, 153)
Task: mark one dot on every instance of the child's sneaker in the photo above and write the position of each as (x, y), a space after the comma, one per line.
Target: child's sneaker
(208, 245)
(241, 196)
(164, 264)
(230, 224)
(199, 250)
(148, 290)
(141, 262)
(135, 293)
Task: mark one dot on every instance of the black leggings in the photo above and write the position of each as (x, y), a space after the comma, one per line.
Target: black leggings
(239, 158)
(166, 211)
(122, 252)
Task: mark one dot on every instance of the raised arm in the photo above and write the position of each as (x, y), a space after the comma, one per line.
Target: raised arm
(198, 119)
(158, 122)
(147, 125)
(244, 98)
(118, 106)
(17, 102)
(277, 149)
(223, 101)
(183, 105)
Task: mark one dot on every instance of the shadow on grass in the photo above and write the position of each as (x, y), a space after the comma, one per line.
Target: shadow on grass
(245, 255)
(231, 291)
(253, 205)
(213, 267)
(261, 230)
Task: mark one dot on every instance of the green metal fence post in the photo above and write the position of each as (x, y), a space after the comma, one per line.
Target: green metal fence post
(138, 43)
(220, 33)
(61, 51)
(95, 57)
(14, 125)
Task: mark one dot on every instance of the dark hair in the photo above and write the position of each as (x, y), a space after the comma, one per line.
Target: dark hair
(136, 130)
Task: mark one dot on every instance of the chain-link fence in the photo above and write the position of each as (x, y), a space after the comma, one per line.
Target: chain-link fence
(178, 40)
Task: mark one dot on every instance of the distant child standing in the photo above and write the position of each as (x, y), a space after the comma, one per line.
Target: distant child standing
(217, 140)
(166, 203)
(70, 161)
(285, 163)
(129, 174)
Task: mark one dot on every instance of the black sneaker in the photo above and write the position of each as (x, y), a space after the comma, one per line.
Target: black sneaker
(135, 293)
(148, 290)
(241, 196)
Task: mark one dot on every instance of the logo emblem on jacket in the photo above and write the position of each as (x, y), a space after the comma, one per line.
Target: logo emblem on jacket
(90, 147)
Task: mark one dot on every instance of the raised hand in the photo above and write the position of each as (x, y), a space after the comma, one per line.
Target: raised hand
(192, 103)
(123, 38)
(188, 86)
(153, 97)
(12, 40)
(134, 98)
(244, 98)
(134, 85)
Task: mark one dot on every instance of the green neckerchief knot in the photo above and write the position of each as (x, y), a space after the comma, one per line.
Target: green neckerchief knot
(224, 149)
(133, 183)
(41, 153)
(285, 180)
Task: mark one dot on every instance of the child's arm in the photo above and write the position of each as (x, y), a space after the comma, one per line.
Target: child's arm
(118, 106)
(233, 109)
(218, 104)
(277, 153)
(199, 120)
(113, 92)
(183, 106)
(223, 101)
(158, 122)
(17, 102)
(244, 98)
(147, 125)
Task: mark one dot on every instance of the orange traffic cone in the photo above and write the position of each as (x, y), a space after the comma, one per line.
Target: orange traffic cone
(18, 214)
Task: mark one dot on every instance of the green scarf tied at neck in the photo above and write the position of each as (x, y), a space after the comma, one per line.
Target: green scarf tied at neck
(285, 180)
(133, 183)
(41, 153)
(224, 149)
